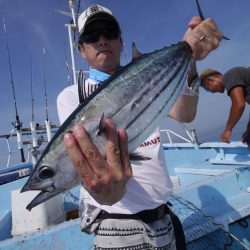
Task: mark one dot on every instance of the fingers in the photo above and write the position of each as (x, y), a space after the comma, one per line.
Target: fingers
(123, 143)
(78, 160)
(196, 20)
(203, 37)
(89, 150)
(225, 136)
(117, 151)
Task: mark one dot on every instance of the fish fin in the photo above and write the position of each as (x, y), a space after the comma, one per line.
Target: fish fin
(100, 127)
(135, 52)
(138, 157)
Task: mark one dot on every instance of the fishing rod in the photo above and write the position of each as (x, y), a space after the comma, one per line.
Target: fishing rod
(45, 86)
(17, 124)
(31, 93)
(33, 126)
(47, 122)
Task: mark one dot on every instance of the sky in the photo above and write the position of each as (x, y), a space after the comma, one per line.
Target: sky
(34, 27)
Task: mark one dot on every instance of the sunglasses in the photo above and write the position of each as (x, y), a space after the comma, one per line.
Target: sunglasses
(93, 36)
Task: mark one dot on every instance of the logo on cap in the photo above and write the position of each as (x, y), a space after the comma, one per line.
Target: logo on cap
(93, 9)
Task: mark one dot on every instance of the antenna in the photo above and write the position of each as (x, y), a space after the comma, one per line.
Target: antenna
(72, 27)
(17, 124)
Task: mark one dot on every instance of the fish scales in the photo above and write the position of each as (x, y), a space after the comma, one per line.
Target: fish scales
(137, 97)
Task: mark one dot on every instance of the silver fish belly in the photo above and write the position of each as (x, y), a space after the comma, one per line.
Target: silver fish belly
(136, 98)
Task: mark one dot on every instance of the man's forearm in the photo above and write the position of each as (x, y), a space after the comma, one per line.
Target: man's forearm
(234, 117)
(192, 75)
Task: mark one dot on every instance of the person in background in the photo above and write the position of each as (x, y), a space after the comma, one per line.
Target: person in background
(236, 82)
(125, 203)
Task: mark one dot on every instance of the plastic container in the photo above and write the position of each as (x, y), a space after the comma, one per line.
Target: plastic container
(42, 216)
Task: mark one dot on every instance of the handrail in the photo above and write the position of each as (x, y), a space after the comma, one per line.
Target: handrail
(28, 143)
(168, 132)
(192, 138)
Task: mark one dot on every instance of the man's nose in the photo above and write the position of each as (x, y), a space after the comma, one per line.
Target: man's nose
(102, 40)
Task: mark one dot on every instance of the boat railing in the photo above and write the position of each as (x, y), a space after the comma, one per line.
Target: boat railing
(191, 135)
(32, 141)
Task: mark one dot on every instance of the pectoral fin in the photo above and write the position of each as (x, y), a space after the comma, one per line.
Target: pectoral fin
(100, 127)
(138, 157)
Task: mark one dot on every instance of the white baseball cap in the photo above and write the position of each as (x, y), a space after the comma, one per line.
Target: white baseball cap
(92, 13)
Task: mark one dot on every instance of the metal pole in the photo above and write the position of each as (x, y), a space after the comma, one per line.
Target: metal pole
(69, 26)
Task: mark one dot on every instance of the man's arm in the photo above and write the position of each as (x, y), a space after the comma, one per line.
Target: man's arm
(236, 111)
(185, 107)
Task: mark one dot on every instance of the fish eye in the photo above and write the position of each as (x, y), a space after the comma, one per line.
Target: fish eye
(46, 172)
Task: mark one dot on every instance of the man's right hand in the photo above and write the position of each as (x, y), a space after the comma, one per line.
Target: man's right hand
(104, 178)
(225, 136)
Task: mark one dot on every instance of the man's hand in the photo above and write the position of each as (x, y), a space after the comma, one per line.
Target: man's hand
(225, 136)
(104, 178)
(202, 36)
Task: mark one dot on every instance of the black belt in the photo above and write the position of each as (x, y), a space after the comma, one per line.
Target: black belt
(147, 216)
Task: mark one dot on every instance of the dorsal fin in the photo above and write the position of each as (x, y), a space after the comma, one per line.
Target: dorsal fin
(135, 52)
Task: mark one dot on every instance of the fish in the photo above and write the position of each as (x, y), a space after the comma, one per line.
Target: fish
(136, 98)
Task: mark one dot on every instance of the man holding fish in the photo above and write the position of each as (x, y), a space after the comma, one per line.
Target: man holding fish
(125, 194)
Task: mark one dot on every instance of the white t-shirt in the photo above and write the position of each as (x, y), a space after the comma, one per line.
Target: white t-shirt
(150, 185)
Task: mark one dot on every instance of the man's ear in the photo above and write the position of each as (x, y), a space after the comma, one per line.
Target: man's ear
(81, 50)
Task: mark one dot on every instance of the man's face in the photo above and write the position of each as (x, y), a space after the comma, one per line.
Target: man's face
(214, 84)
(103, 54)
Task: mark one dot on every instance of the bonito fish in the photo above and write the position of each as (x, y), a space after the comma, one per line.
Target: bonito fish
(136, 98)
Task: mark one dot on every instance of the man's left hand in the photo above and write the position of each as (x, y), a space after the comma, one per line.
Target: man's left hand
(202, 36)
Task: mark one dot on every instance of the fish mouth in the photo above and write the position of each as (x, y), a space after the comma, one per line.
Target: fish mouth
(43, 196)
